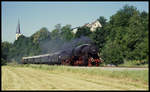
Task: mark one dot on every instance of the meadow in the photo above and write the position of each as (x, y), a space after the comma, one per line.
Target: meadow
(46, 77)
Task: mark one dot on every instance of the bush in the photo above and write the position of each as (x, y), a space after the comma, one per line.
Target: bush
(134, 63)
(112, 54)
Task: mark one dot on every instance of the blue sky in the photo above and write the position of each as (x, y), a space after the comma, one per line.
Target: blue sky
(35, 15)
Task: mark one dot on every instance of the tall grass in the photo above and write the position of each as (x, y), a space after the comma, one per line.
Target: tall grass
(134, 63)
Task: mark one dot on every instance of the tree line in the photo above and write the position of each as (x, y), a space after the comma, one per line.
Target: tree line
(123, 38)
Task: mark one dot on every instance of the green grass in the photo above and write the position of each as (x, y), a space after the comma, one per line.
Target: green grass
(133, 63)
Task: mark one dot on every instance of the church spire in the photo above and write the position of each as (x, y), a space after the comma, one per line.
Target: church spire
(18, 28)
(18, 33)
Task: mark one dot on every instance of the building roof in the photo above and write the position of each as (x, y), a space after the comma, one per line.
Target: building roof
(18, 28)
(91, 26)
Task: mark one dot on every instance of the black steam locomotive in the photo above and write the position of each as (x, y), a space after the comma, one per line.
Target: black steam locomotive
(82, 55)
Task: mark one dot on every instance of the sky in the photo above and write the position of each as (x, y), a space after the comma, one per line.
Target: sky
(35, 15)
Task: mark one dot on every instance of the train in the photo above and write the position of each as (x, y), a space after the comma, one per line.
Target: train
(82, 55)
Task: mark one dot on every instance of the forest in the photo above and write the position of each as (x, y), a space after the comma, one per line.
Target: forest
(124, 38)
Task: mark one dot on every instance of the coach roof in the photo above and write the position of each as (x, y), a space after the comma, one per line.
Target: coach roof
(36, 56)
(41, 55)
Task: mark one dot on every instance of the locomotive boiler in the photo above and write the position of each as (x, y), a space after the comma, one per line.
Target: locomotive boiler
(82, 55)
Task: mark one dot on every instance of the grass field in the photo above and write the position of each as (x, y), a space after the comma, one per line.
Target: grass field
(44, 77)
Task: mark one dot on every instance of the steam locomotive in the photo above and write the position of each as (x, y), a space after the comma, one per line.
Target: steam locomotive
(82, 55)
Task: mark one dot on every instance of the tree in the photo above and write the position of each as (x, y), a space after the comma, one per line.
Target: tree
(5, 52)
(83, 31)
(24, 46)
(6, 48)
(55, 34)
(122, 16)
(99, 37)
(102, 20)
(111, 54)
(66, 33)
(58, 27)
(40, 35)
(127, 35)
(138, 37)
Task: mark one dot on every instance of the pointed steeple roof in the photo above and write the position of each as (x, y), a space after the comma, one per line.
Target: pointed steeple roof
(18, 28)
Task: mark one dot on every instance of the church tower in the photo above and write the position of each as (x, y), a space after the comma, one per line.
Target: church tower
(18, 33)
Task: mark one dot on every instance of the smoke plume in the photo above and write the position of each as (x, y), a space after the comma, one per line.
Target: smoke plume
(52, 46)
